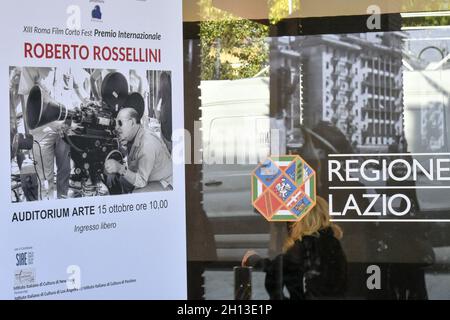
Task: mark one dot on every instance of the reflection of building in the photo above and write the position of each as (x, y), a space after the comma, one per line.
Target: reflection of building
(426, 90)
(355, 81)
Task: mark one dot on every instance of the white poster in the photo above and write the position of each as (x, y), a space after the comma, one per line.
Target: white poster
(93, 203)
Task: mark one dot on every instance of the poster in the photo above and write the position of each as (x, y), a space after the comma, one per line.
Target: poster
(92, 199)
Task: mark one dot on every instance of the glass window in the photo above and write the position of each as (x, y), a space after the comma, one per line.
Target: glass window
(248, 79)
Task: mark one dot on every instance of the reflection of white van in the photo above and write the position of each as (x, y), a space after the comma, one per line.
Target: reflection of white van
(235, 122)
(235, 131)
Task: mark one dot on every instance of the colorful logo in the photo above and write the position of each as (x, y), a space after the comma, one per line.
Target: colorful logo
(284, 188)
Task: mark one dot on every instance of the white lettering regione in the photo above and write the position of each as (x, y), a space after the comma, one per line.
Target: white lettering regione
(93, 205)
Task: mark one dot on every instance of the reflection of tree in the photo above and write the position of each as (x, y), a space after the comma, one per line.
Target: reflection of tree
(231, 48)
(280, 9)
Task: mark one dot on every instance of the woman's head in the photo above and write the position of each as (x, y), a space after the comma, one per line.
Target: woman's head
(314, 221)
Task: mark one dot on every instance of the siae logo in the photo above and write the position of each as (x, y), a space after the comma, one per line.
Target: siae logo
(21, 259)
(24, 258)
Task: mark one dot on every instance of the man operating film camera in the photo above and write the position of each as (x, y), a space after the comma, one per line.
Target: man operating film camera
(90, 133)
(149, 166)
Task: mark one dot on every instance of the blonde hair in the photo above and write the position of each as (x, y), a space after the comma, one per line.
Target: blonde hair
(314, 221)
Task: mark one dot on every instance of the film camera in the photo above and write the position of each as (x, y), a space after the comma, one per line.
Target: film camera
(92, 139)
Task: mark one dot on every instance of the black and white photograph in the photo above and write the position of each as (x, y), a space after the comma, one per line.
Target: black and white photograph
(77, 132)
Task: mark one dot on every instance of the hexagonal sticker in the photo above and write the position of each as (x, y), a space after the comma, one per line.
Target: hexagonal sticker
(284, 188)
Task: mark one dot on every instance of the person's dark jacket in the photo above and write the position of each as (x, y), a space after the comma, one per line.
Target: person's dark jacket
(313, 268)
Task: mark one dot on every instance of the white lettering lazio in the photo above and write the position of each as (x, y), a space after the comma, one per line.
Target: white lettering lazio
(381, 182)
